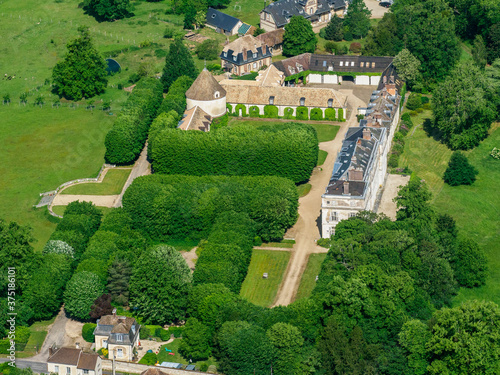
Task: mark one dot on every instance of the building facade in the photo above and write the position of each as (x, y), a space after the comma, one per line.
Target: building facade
(244, 55)
(277, 14)
(73, 361)
(222, 23)
(118, 334)
(360, 168)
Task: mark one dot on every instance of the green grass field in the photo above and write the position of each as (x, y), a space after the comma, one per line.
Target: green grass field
(322, 157)
(261, 291)
(475, 208)
(163, 355)
(284, 244)
(112, 184)
(308, 280)
(304, 189)
(38, 332)
(326, 132)
(41, 149)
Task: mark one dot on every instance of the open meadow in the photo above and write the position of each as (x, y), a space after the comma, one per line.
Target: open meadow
(475, 208)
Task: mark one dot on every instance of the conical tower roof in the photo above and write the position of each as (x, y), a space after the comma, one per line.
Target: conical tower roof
(205, 88)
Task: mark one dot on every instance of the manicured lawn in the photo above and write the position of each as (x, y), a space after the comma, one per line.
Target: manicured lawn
(303, 189)
(326, 132)
(261, 291)
(308, 280)
(38, 333)
(112, 184)
(246, 10)
(41, 149)
(322, 157)
(163, 355)
(475, 208)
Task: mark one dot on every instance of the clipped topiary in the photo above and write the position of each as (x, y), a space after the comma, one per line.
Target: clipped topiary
(88, 332)
(459, 171)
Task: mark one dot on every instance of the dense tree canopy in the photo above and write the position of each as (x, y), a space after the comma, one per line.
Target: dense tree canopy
(408, 67)
(299, 37)
(384, 38)
(463, 107)
(357, 19)
(81, 292)
(178, 62)
(159, 285)
(108, 10)
(82, 73)
(335, 29)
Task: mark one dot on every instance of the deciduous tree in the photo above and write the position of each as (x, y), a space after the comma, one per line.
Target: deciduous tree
(357, 18)
(196, 340)
(81, 291)
(299, 37)
(408, 67)
(159, 285)
(108, 10)
(82, 73)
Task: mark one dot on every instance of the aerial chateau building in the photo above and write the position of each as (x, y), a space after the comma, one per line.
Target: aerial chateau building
(277, 14)
(361, 165)
(244, 55)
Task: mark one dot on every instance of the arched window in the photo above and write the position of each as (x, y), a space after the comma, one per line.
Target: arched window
(330, 103)
(216, 95)
(302, 101)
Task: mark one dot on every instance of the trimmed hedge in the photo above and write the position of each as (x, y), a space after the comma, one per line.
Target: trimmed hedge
(289, 150)
(302, 113)
(225, 257)
(88, 332)
(341, 115)
(176, 206)
(288, 113)
(243, 110)
(316, 114)
(126, 138)
(176, 98)
(270, 111)
(330, 114)
(229, 108)
(254, 111)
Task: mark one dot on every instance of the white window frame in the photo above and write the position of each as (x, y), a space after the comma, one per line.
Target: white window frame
(56, 368)
(119, 353)
(68, 370)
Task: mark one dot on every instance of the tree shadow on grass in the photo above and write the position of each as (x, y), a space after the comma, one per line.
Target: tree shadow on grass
(431, 130)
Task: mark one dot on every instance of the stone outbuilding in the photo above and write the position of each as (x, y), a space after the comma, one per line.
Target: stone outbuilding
(73, 361)
(207, 94)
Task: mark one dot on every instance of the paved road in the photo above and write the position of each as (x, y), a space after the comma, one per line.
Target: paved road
(306, 230)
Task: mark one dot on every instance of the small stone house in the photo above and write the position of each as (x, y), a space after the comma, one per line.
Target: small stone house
(73, 361)
(118, 334)
(244, 55)
(222, 23)
(274, 40)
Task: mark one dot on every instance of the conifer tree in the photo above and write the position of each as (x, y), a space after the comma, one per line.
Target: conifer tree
(357, 19)
(459, 171)
(118, 280)
(178, 62)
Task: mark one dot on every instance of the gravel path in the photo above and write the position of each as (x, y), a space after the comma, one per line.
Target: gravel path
(392, 183)
(306, 231)
(56, 335)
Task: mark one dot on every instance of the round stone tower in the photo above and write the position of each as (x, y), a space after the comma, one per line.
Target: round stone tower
(206, 93)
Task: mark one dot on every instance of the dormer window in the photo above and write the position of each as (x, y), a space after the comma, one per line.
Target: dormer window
(373, 65)
(302, 101)
(352, 63)
(362, 64)
(225, 54)
(271, 100)
(330, 103)
(119, 337)
(255, 55)
(341, 63)
(234, 58)
(216, 95)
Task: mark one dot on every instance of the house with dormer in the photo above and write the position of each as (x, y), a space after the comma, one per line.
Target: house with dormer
(244, 55)
(278, 14)
(118, 334)
(73, 361)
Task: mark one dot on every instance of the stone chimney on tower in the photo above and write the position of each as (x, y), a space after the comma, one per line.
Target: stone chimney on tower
(367, 134)
(345, 188)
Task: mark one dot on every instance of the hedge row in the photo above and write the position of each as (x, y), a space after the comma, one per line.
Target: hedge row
(398, 143)
(225, 257)
(176, 97)
(290, 151)
(126, 139)
(176, 206)
(271, 111)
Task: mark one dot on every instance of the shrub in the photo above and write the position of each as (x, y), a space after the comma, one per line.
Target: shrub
(271, 111)
(88, 332)
(176, 331)
(322, 33)
(149, 359)
(330, 114)
(424, 99)
(208, 50)
(254, 111)
(459, 171)
(288, 113)
(355, 47)
(270, 201)
(243, 150)
(302, 113)
(144, 332)
(406, 117)
(348, 36)
(214, 67)
(324, 242)
(58, 247)
(393, 161)
(330, 47)
(495, 153)
(316, 114)
(413, 113)
(340, 115)
(124, 142)
(164, 335)
(22, 334)
(204, 367)
(169, 32)
(414, 101)
(242, 108)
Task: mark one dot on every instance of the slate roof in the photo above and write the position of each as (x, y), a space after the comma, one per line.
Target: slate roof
(221, 20)
(241, 50)
(282, 10)
(336, 63)
(74, 357)
(114, 325)
(204, 87)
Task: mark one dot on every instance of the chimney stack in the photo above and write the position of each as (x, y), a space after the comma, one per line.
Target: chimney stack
(77, 345)
(346, 188)
(114, 312)
(367, 135)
